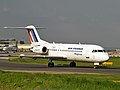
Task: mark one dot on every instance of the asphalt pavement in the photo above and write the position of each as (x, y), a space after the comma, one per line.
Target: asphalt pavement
(5, 65)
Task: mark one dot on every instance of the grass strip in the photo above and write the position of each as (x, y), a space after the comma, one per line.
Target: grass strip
(36, 81)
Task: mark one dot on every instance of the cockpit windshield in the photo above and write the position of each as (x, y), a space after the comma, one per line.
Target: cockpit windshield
(98, 51)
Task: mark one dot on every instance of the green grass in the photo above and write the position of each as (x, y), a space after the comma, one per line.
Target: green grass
(32, 81)
(44, 61)
(115, 60)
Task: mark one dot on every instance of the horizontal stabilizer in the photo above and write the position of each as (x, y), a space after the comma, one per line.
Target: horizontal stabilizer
(23, 28)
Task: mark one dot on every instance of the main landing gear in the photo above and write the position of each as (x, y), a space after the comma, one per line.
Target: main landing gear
(51, 64)
(72, 64)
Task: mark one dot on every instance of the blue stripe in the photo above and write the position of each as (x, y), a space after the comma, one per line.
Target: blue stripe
(34, 36)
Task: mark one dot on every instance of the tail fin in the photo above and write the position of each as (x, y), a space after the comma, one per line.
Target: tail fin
(33, 34)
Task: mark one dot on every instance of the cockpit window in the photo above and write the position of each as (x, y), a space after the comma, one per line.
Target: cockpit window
(98, 51)
(94, 51)
(104, 51)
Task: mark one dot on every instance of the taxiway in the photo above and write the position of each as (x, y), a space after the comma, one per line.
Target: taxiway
(5, 65)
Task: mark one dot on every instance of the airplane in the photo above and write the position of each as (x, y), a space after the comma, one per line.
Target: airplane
(65, 52)
(7, 49)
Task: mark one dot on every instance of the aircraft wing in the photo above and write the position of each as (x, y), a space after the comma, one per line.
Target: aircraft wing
(42, 56)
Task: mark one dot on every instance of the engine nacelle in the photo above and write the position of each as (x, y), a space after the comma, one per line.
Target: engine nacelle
(43, 50)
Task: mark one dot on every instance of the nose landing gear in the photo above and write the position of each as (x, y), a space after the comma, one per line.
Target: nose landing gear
(96, 65)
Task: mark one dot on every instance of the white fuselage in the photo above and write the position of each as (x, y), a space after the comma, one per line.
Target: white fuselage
(75, 52)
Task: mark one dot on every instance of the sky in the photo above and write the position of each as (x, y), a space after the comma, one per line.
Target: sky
(66, 21)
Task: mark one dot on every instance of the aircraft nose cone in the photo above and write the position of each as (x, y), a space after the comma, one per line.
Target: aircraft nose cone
(106, 57)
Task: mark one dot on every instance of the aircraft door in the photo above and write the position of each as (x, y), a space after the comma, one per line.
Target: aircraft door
(87, 54)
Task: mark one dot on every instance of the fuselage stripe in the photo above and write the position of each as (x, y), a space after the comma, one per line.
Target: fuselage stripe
(30, 36)
(34, 36)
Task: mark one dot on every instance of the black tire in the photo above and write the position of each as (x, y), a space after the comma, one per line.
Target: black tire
(95, 67)
(50, 64)
(73, 64)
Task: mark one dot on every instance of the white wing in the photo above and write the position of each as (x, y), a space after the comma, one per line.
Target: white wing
(42, 56)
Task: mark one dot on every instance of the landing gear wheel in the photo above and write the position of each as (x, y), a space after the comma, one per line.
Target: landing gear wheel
(50, 64)
(73, 64)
